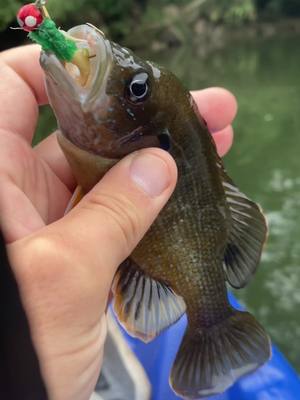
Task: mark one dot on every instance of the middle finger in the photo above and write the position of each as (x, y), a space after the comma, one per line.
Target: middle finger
(50, 151)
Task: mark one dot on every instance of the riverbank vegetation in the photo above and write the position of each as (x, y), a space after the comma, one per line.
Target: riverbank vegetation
(141, 21)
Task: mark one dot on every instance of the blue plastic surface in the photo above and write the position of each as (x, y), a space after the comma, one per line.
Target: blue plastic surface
(276, 380)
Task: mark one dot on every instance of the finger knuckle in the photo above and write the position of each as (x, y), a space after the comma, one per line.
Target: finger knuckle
(45, 255)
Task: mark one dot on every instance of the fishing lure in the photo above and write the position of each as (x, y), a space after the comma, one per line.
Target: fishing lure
(35, 19)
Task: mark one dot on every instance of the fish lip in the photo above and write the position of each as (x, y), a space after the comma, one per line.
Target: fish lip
(55, 71)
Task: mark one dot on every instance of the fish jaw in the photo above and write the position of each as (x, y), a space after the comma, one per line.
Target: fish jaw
(63, 75)
(81, 111)
(87, 168)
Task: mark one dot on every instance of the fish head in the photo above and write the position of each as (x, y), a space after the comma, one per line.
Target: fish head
(124, 105)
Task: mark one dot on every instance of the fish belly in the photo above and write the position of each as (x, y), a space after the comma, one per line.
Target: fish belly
(185, 248)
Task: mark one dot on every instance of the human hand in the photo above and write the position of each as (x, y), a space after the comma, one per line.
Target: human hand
(65, 265)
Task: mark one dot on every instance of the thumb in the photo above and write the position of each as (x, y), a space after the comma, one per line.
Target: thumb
(113, 217)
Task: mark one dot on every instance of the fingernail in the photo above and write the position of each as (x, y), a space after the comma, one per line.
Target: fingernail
(150, 173)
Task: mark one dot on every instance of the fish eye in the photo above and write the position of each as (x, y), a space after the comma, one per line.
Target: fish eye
(138, 89)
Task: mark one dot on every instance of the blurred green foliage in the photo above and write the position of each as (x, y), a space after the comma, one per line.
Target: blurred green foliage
(279, 7)
(7, 11)
(232, 12)
(123, 16)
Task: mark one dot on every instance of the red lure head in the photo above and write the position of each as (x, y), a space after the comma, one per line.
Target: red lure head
(30, 17)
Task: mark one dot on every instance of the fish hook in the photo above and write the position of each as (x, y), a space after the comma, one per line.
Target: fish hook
(41, 4)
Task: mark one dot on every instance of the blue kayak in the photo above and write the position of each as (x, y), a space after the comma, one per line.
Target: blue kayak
(276, 380)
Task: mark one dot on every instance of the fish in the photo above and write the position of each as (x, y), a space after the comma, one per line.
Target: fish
(208, 236)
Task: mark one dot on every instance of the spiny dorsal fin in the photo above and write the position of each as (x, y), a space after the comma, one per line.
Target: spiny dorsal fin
(144, 306)
(247, 236)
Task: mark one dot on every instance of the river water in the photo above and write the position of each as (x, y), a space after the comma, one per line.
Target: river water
(264, 162)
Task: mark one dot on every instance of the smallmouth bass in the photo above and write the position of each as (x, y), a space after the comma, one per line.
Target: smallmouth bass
(208, 234)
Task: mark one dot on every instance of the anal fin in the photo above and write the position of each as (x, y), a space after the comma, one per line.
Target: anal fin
(143, 305)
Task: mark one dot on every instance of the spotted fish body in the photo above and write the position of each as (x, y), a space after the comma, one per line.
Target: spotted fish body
(208, 234)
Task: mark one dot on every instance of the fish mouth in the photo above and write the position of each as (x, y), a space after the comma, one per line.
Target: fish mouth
(68, 77)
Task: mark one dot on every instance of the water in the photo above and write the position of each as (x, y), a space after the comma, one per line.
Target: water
(264, 162)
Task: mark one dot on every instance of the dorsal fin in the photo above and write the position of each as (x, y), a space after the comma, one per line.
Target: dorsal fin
(247, 236)
(143, 305)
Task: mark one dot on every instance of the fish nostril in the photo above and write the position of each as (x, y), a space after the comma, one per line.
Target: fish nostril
(164, 141)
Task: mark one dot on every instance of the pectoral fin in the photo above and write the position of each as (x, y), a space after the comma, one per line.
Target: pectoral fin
(144, 306)
(75, 199)
(248, 234)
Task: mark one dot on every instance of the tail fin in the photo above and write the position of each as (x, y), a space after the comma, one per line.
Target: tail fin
(210, 361)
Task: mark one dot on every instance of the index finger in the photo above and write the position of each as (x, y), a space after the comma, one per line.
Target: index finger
(217, 106)
(21, 90)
